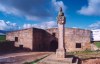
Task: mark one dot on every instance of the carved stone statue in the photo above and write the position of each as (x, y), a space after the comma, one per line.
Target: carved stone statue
(61, 18)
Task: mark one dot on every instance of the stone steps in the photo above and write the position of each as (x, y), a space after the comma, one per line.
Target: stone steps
(53, 60)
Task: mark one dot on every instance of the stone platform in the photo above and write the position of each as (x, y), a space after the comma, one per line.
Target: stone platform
(52, 59)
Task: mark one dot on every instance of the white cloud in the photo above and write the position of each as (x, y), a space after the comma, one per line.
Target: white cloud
(32, 17)
(93, 8)
(8, 25)
(29, 9)
(58, 4)
(32, 9)
(15, 11)
(95, 25)
(44, 25)
(27, 25)
(9, 10)
(74, 27)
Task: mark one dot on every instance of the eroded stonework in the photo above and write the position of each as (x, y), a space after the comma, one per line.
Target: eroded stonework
(47, 40)
(75, 39)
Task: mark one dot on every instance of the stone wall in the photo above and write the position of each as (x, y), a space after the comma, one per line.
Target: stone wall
(33, 38)
(73, 36)
(52, 39)
(6, 46)
(77, 39)
(22, 38)
(42, 40)
(47, 40)
(38, 40)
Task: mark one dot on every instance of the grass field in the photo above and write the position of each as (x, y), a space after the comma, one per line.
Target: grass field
(97, 44)
(86, 54)
(2, 37)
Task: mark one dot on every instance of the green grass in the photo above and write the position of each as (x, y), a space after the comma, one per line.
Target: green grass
(97, 44)
(2, 37)
(86, 54)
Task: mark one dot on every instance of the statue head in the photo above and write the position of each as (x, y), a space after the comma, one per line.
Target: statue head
(60, 12)
(61, 18)
(60, 9)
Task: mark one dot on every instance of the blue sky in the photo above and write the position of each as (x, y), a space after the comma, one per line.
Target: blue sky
(20, 14)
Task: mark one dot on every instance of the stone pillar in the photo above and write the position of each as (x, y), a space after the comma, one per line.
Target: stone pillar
(61, 36)
(60, 53)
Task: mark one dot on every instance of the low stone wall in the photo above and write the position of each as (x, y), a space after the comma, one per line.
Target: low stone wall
(6, 45)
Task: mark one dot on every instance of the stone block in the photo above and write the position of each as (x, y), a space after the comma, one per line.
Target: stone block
(60, 53)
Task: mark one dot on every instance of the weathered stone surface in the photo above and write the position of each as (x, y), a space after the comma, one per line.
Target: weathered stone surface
(40, 39)
(73, 36)
(52, 59)
(24, 38)
(60, 53)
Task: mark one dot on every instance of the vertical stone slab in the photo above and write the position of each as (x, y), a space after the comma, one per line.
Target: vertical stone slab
(60, 53)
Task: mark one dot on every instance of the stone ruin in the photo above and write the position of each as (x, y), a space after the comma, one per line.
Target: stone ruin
(36, 39)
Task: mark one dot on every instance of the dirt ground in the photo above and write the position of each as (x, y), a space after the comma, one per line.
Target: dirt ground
(22, 57)
(91, 61)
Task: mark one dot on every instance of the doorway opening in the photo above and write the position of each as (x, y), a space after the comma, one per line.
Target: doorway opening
(53, 45)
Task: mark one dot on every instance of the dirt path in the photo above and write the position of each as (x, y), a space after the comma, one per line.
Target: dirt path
(20, 58)
(92, 61)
